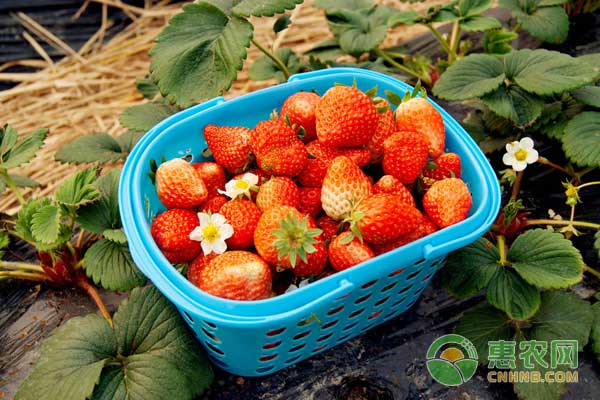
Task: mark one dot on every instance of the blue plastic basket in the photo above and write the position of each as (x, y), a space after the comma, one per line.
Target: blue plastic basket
(261, 337)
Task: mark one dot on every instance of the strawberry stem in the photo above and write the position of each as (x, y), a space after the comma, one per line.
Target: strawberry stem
(442, 41)
(582, 224)
(21, 266)
(516, 186)
(502, 250)
(93, 293)
(13, 186)
(591, 271)
(273, 58)
(401, 67)
(29, 276)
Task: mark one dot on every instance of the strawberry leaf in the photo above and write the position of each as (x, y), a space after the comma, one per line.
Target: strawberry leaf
(46, 224)
(479, 23)
(595, 334)
(408, 17)
(104, 213)
(78, 189)
(109, 264)
(282, 23)
(589, 95)
(508, 292)
(143, 117)
(546, 259)
(470, 77)
(115, 235)
(128, 140)
(580, 141)
(471, 8)
(497, 41)
(514, 104)
(201, 45)
(328, 5)
(8, 139)
(146, 87)
(98, 147)
(264, 68)
(263, 8)
(17, 154)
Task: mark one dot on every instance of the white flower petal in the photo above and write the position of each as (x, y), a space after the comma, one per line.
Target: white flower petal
(508, 159)
(532, 156)
(291, 288)
(218, 219)
(225, 231)
(196, 234)
(512, 147)
(207, 247)
(204, 219)
(519, 165)
(219, 246)
(251, 178)
(526, 143)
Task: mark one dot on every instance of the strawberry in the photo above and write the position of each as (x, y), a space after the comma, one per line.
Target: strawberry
(178, 185)
(310, 201)
(288, 160)
(404, 156)
(299, 110)
(212, 174)
(214, 204)
(344, 185)
(383, 218)
(420, 116)
(278, 191)
(445, 166)
(269, 134)
(385, 129)
(284, 236)
(424, 227)
(346, 251)
(391, 185)
(315, 261)
(360, 156)
(243, 216)
(447, 202)
(230, 146)
(197, 265)
(236, 275)
(171, 232)
(329, 226)
(345, 117)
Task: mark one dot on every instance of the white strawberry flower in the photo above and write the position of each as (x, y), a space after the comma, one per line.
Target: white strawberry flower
(519, 154)
(212, 233)
(240, 187)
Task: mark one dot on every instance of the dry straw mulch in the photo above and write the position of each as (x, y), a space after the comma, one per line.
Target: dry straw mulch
(86, 90)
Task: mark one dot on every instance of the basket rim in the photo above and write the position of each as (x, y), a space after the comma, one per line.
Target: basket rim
(191, 299)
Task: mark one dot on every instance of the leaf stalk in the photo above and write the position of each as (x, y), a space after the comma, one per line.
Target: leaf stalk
(13, 187)
(273, 58)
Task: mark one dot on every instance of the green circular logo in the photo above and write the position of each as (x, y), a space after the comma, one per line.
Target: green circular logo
(452, 360)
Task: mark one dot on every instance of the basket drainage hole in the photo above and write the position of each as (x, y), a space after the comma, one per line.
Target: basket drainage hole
(388, 287)
(369, 284)
(188, 318)
(271, 345)
(356, 313)
(335, 310)
(380, 302)
(375, 314)
(426, 278)
(267, 358)
(329, 324)
(319, 348)
(360, 300)
(291, 360)
(275, 332)
(296, 348)
(396, 272)
(405, 289)
(210, 335)
(343, 338)
(352, 325)
(412, 276)
(209, 324)
(324, 337)
(214, 349)
(262, 370)
(301, 335)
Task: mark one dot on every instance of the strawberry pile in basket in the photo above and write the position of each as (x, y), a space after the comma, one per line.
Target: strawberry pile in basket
(329, 183)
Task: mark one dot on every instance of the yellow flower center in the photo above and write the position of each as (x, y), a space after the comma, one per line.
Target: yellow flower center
(210, 232)
(241, 184)
(521, 155)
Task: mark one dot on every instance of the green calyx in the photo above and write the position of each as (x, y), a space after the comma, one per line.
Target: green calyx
(295, 239)
(353, 219)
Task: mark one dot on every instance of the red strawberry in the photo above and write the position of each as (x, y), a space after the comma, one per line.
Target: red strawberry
(171, 232)
(345, 117)
(284, 236)
(288, 160)
(447, 202)
(310, 201)
(418, 115)
(385, 129)
(446, 166)
(344, 185)
(383, 218)
(212, 174)
(424, 227)
(319, 158)
(359, 155)
(230, 146)
(315, 261)
(214, 204)
(299, 110)
(391, 185)
(329, 226)
(197, 265)
(243, 216)
(346, 251)
(271, 133)
(178, 185)
(236, 275)
(278, 191)
(404, 156)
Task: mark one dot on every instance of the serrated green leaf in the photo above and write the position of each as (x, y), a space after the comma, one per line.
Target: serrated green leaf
(483, 324)
(46, 224)
(8, 139)
(446, 14)
(71, 361)
(546, 72)
(480, 23)
(22, 181)
(470, 8)
(25, 215)
(326, 50)
(468, 270)
(128, 140)
(508, 292)
(589, 95)
(282, 23)
(548, 3)
(78, 190)
(342, 4)
(555, 130)
(115, 235)
(163, 358)
(497, 41)
(143, 117)
(263, 8)
(581, 140)
(109, 264)
(550, 24)
(595, 333)
(408, 17)
(512, 5)
(24, 150)
(146, 87)
(546, 259)
(514, 104)
(201, 45)
(98, 147)
(104, 213)
(264, 68)
(470, 77)
(593, 60)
